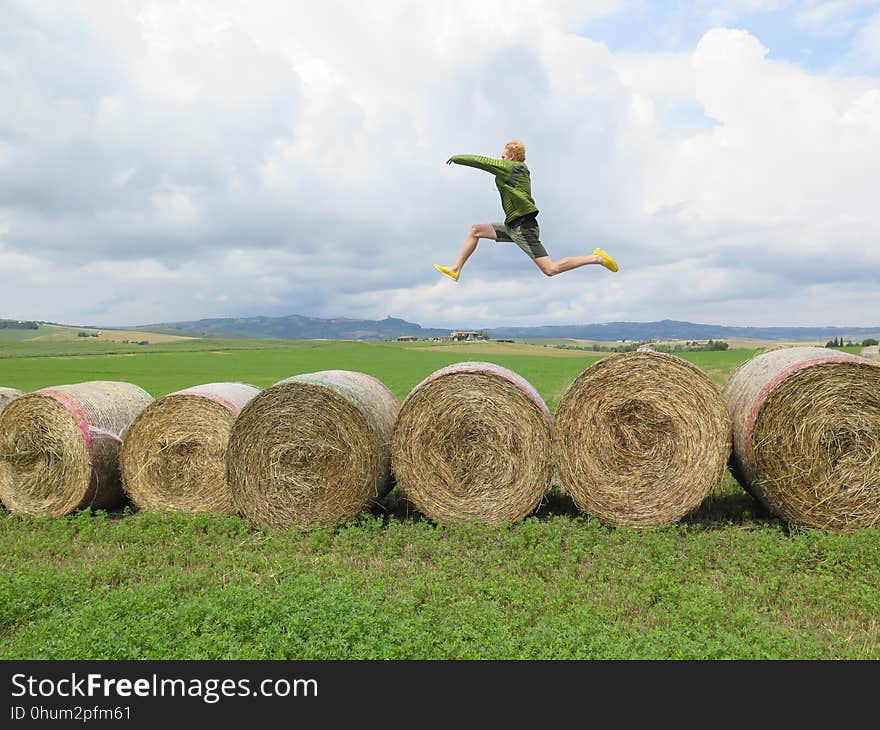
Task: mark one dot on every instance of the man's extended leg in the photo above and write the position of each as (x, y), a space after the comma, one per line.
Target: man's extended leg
(551, 267)
(476, 232)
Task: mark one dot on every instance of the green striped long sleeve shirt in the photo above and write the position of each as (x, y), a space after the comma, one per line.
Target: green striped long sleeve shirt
(512, 180)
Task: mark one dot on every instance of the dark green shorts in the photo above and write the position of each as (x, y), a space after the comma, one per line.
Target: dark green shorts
(524, 232)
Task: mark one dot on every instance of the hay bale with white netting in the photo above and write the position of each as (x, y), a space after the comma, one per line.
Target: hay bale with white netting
(641, 439)
(312, 450)
(174, 453)
(59, 446)
(872, 352)
(7, 395)
(807, 435)
(473, 443)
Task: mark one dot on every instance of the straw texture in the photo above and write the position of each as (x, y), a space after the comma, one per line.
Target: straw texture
(641, 439)
(807, 435)
(473, 443)
(59, 446)
(174, 453)
(312, 450)
(7, 395)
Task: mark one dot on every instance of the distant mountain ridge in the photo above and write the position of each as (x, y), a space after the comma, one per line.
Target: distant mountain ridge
(297, 327)
(668, 329)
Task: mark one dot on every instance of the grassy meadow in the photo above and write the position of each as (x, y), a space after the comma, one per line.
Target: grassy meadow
(164, 367)
(730, 581)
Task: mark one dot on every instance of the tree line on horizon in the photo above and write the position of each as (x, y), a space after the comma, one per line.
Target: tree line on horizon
(838, 342)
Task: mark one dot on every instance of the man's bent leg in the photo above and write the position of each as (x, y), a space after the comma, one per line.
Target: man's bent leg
(477, 231)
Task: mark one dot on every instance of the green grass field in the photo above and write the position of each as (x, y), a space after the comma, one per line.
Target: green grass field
(163, 368)
(731, 581)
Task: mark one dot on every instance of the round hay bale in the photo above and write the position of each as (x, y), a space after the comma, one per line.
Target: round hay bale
(473, 443)
(59, 446)
(312, 450)
(872, 352)
(7, 395)
(806, 430)
(174, 453)
(641, 439)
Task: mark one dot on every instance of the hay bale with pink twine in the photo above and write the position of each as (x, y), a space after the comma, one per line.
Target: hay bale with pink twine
(59, 446)
(473, 443)
(807, 435)
(641, 439)
(312, 450)
(174, 453)
(7, 395)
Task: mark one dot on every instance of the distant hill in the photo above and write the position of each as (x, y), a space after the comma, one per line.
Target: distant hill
(51, 331)
(668, 329)
(296, 327)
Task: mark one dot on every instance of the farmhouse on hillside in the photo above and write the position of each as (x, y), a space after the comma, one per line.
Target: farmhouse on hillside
(468, 335)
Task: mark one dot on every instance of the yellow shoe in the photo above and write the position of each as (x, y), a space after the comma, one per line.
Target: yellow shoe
(608, 262)
(446, 272)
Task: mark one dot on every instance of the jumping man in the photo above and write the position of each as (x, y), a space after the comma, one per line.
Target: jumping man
(521, 223)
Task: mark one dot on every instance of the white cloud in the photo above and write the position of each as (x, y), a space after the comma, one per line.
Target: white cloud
(791, 152)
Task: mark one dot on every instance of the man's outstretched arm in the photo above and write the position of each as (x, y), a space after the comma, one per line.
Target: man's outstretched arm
(489, 164)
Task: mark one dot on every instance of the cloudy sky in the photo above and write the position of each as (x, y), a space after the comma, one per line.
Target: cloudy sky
(182, 159)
